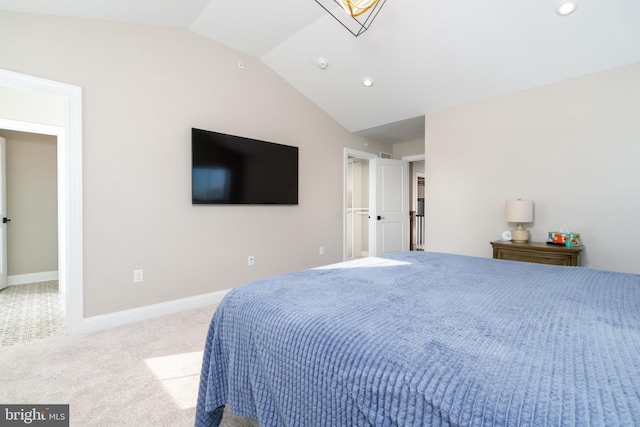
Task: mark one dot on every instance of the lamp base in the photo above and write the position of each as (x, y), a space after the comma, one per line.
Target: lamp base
(519, 235)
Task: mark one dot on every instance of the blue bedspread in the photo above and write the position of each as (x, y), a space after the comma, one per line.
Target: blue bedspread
(427, 339)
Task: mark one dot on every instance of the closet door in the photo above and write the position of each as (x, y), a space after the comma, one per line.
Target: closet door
(389, 206)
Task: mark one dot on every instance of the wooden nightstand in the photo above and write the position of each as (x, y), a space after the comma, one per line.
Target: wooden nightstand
(541, 253)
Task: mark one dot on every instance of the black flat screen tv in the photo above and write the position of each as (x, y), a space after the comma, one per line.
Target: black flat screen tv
(233, 170)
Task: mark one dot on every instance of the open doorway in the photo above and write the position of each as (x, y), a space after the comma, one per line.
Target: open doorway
(417, 221)
(417, 213)
(69, 155)
(33, 306)
(376, 205)
(32, 206)
(356, 192)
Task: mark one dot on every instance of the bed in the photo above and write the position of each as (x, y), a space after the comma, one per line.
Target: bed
(427, 339)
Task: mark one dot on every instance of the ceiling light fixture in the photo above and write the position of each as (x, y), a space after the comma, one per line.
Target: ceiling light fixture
(357, 8)
(367, 81)
(566, 7)
(322, 63)
(359, 13)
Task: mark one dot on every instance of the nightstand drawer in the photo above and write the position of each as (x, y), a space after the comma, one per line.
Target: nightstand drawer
(541, 253)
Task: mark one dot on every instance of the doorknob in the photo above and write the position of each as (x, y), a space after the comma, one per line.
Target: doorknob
(5, 220)
(380, 217)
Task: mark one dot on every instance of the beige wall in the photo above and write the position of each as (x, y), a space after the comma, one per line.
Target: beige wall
(409, 148)
(31, 203)
(31, 106)
(144, 88)
(572, 147)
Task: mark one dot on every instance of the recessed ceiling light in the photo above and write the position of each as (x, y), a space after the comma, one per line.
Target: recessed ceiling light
(367, 81)
(322, 63)
(566, 7)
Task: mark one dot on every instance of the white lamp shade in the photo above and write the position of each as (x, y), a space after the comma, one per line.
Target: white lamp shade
(519, 211)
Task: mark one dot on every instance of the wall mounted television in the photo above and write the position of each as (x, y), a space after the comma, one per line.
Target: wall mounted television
(233, 170)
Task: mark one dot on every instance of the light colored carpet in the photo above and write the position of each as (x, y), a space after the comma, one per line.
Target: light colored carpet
(143, 374)
(31, 311)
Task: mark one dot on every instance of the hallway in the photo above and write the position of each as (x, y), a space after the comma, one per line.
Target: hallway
(30, 312)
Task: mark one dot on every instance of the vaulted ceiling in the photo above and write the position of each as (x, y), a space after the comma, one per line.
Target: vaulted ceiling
(423, 55)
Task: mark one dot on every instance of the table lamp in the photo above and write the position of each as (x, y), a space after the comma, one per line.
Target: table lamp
(519, 211)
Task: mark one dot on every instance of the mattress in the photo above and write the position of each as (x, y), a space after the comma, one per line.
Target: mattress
(427, 339)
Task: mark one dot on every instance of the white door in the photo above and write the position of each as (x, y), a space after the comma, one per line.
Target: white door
(388, 206)
(3, 213)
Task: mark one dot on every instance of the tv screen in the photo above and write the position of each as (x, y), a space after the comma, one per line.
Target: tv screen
(234, 170)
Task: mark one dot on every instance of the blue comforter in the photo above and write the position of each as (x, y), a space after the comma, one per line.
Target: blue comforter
(427, 339)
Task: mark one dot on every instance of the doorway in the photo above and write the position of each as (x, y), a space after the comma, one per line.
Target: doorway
(357, 208)
(69, 154)
(417, 214)
(30, 180)
(376, 205)
(356, 202)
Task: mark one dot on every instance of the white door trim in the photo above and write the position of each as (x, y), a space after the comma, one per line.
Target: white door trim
(70, 249)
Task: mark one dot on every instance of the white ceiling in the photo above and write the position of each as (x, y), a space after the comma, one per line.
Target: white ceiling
(424, 55)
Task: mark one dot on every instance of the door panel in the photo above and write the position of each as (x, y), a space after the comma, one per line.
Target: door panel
(389, 233)
(389, 204)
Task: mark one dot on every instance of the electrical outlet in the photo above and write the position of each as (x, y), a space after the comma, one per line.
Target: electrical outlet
(250, 260)
(138, 276)
(321, 250)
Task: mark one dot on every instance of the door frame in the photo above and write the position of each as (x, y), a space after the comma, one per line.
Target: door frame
(69, 148)
(348, 152)
(414, 178)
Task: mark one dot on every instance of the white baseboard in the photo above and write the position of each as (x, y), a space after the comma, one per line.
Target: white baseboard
(120, 318)
(21, 279)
